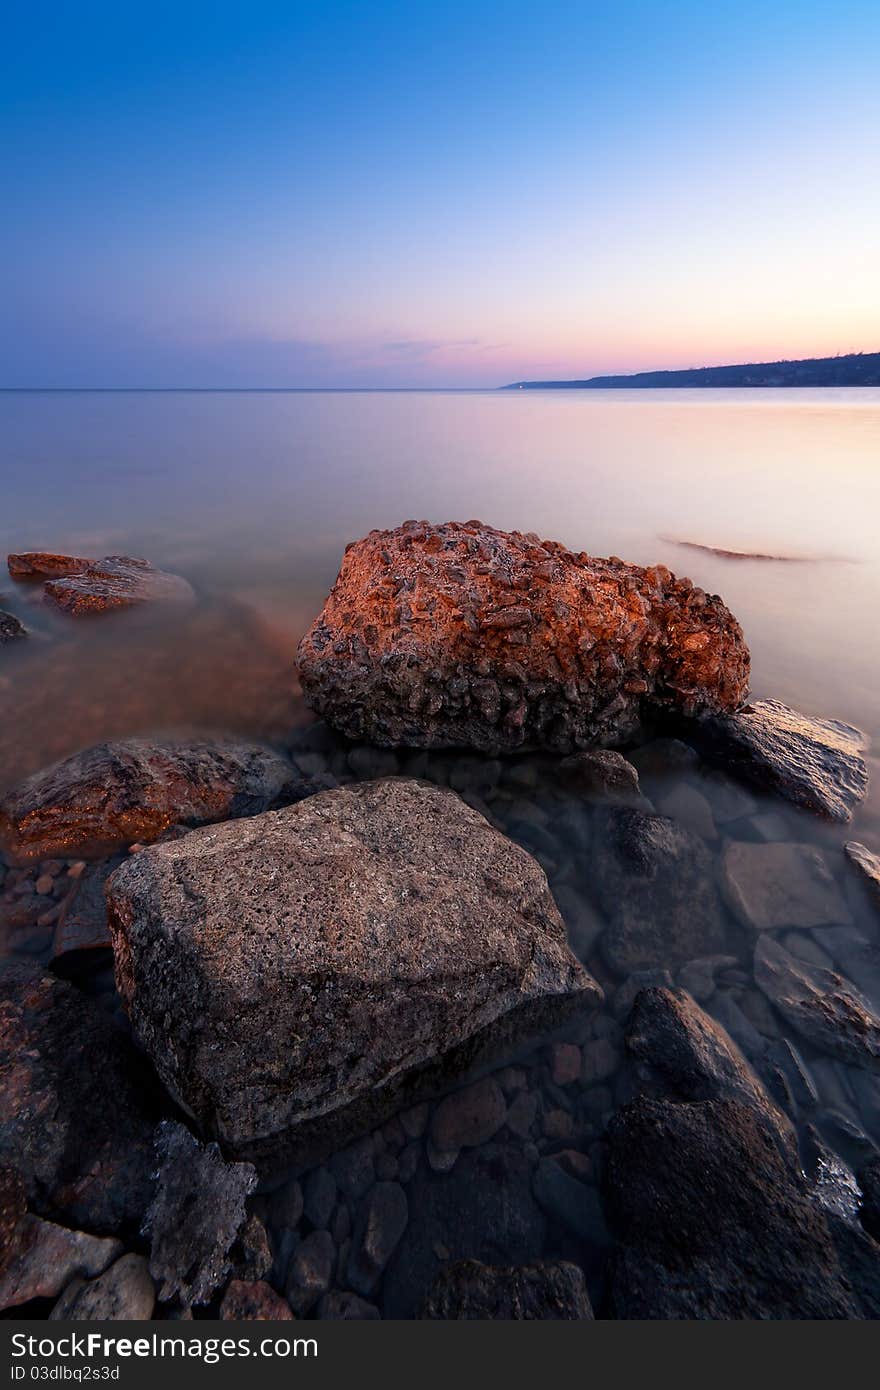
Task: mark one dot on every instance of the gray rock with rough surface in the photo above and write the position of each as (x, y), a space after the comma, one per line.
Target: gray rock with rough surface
(771, 886)
(196, 1216)
(553, 1290)
(299, 976)
(132, 790)
(655, 884)
(816, 763)
(823, 1006)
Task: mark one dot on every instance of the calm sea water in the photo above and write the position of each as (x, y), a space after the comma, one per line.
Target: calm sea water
(253, 496)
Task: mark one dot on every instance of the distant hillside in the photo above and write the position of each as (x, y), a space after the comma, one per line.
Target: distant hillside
(852, 369)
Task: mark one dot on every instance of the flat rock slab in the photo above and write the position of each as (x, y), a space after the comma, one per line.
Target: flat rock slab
(11, 630)
(655, 883)
(308, 971)
(823, 1006)
(48, 1257)
(868, 865)
(551, 1291)
(45, 564)
(133, 790)
(816, 763)
(770, 886)
(118, 581)
(461, 635)
(196, 1215)
(76, 1108)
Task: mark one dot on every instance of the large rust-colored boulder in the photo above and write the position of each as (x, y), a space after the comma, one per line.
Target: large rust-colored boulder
(461, 635)
(300, 975)
(132, 790)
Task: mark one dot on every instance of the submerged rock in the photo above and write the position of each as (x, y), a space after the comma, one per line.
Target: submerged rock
(713, 1222)
(300, 975)
(555, 1290)
(253, 1301)
(602, 773)
(694, 1059)
(777, 885)
(196, 1216)
(132, 790)
(655, 883)
(461, 635)
(823, 1006)
(47, 1257)
(10, 628)
(816, 763)
(119, 581)
(76, 1111)
(82, 925)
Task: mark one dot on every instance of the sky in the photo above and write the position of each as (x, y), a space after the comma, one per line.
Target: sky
(413, 194)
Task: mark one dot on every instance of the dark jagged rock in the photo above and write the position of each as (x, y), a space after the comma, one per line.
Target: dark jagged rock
(118, 581)
(133, 790)
(868, 865)
(602, 773)
(692, 1058)
(483, 1210)
(869, 1183)
(13, 1205)
(45, 564)
(82, 927)
(713, 1222)
(823, 1006)
(76, 1108)
(298, 976)
(655, 883)
(196, 1215)
(11, 630)
(555, 1290)
(816, 763)
(461, 635)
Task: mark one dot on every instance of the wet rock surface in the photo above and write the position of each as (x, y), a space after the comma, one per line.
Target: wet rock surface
(820, 1004)
(654, 880)
(461, 635)
(118, 581)
(555, 1290)
(77, 1107)
(712, 1221)
(816, 763)
(133, 790)
(868, 865)
(348, 951)
(45, 564)
(782, 885)
(196, 1216)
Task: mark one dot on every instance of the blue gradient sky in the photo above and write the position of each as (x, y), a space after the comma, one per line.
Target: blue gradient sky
(391, 194)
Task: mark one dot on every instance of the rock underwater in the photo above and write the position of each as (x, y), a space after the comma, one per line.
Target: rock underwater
(302, 974)
(461, 635)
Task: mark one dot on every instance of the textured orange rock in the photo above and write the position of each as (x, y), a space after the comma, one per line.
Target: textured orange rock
(463, 635)
(119, 581)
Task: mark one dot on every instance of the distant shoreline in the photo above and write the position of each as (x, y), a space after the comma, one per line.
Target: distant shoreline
(851, 369)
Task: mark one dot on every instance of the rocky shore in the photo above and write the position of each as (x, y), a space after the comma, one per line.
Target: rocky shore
(361, 1024)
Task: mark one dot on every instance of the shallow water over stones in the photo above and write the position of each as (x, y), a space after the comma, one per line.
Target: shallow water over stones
(507, 1169)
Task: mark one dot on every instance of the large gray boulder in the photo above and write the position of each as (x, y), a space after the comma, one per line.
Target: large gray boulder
(816, 763)
(460, 635)
(299, 975)
(133, 789)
